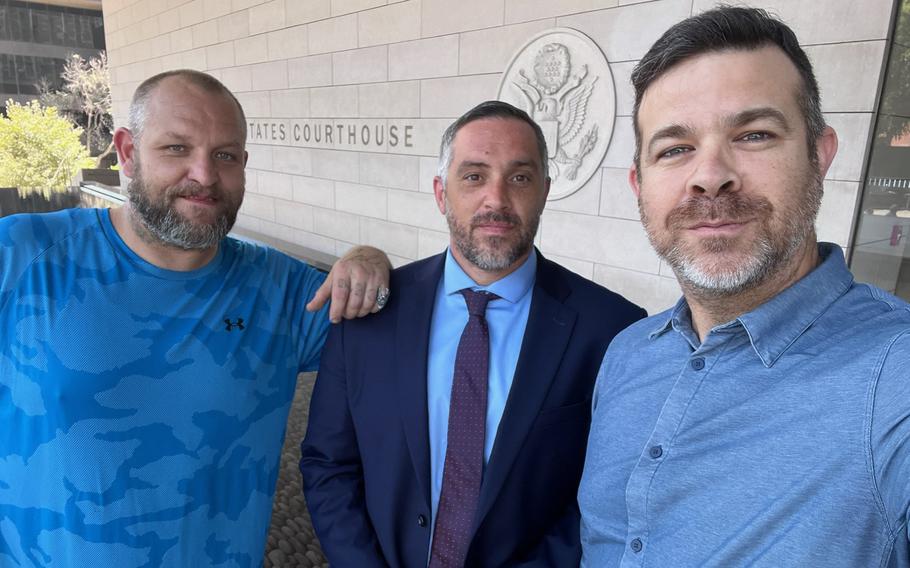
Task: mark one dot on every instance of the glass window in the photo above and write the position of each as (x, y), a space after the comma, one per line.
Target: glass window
(57, 35)
(881, 254)
(98, 33)
(4, 21)
(18, 23)
(85, 31)
(25, 24)
(47, 71)
(8, 82)
(25, 71)
(42, 26)
(7, 69)
(70, 30)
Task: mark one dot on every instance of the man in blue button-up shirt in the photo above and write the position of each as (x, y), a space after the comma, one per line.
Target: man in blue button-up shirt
(375, 458)
(765, 419)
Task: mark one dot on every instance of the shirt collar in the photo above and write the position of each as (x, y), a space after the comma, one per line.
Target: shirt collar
(510, 288)
(776, 324)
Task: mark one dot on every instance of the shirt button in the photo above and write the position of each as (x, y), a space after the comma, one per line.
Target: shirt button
(421, 521)
(656, 451)
(636, 545)
(698, 363)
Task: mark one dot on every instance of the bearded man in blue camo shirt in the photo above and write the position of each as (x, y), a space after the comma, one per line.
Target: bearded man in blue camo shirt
(148, 360)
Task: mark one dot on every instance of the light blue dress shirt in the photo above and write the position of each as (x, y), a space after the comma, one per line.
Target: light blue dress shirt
(506, 320)
(782, 439)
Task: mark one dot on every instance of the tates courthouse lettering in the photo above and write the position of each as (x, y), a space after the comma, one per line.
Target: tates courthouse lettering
(338, 134)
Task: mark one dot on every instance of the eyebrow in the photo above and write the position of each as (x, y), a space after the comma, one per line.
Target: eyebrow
(468, 164)
(173, 136)
(523, 164)
(737, 120)
(761, 113)
(671, 131)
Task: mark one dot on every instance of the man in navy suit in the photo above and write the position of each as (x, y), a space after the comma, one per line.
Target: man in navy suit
(406, 462)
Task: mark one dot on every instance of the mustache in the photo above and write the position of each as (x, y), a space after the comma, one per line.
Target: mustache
(495, 217)
(192, 189)
(729, 207)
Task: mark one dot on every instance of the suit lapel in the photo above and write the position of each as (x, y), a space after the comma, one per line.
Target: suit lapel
(547, 334)
(411, 346)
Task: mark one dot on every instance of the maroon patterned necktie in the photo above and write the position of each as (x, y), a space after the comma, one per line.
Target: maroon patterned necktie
(463, 467)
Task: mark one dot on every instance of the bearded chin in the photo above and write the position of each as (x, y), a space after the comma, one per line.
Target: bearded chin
(713, 267)
(494, 253)
(715, 278)
(165, 225)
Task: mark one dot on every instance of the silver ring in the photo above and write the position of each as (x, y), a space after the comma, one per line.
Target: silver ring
(382, 297)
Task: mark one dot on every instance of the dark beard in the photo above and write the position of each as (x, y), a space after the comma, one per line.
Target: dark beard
(497, 255)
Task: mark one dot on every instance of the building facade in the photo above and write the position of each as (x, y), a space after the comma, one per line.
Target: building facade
(346, 101)
(36, 38)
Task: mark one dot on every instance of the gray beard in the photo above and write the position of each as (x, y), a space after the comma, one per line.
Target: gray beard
(164, 225)
(770, 253)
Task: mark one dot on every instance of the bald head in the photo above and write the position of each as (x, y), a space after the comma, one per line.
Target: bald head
(139, 106)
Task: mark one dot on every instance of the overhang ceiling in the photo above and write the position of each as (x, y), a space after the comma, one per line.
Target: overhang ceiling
(87, 4)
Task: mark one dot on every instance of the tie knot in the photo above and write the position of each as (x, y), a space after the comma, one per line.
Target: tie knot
(477, 300)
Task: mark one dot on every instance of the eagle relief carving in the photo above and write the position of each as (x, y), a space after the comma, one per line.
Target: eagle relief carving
(551, 78)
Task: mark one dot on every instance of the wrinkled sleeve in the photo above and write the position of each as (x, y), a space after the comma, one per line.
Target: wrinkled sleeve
(890, 439)
(332, 469)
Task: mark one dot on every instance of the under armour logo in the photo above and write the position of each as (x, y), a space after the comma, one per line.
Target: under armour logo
(229, 325)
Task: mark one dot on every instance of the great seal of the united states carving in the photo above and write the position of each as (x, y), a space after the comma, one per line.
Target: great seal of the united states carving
(563, 80)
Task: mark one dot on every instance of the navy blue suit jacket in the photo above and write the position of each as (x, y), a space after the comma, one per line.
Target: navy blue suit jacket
(365, 459)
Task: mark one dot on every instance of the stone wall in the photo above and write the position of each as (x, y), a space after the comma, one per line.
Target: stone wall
(421, 63)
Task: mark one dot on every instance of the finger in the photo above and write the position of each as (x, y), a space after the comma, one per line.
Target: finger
(340, 292)
(369, 299)
(355, 299)
(321, 296)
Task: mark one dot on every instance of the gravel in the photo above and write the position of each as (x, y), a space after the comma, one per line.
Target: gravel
(292, 541)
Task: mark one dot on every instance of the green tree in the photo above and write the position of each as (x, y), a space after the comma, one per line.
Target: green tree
(40, 151)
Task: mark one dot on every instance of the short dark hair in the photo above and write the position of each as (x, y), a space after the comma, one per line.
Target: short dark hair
(139, 103)
(728, 28)
(489, 109)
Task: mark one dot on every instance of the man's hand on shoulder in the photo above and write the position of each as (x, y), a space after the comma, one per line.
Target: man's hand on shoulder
(358, 284)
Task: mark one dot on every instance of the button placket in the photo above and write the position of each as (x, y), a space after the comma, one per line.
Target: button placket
(644, 475)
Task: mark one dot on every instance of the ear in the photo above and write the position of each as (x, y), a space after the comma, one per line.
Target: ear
(633, 181)
(546, 188)
(126, 150)
(439, 194)
(246, 157)
(826, 149)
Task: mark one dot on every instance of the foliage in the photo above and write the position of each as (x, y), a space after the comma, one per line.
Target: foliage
(86, 99)
(896, 93)
(40, 151)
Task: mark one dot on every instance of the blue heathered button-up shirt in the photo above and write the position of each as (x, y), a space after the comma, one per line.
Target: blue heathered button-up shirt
(781, 440)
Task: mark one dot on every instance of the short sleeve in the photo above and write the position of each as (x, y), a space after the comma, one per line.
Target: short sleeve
(311, 328)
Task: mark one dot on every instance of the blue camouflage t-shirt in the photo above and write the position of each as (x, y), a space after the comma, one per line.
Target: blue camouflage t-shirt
(142, 410)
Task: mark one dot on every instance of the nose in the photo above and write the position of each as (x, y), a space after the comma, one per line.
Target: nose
(715, 172)
(497, 193)
(203, 171)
